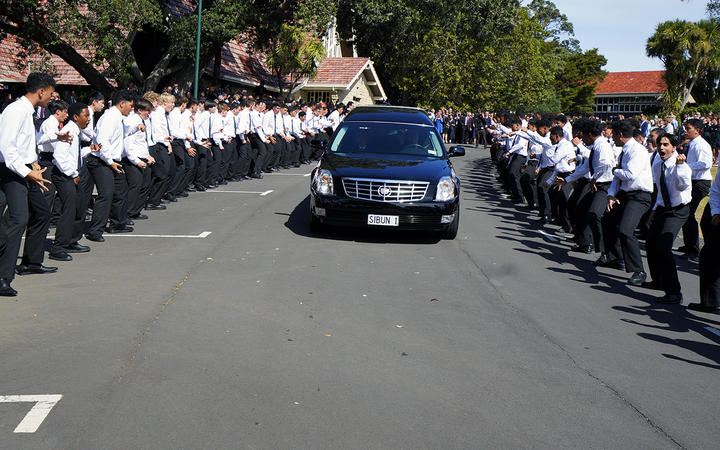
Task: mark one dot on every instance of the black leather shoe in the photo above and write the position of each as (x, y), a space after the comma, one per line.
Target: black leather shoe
(637, 279)
(268, 171)
(22, 269)
(191, 189)
(64, 256)
(139, 217)
(543, 221)
(211, 186)
(222, 183)
(95, 237)
(670, 299)
(155, 207)
(200, 188)
(703, 308)
(130, 222)
(256, 176)
(77, 248)
(169, 197)
(115, 230)
(5, 289)
(605, 261)
(651, 285)
(587, 249)
(183, 194)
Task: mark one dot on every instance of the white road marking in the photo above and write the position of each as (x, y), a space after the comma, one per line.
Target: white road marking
(290, 174)
(260, 193)
(713, 330)
(35, 417)
(202, 235)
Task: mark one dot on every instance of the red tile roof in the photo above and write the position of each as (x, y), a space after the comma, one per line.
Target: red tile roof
(633, 83)
(338, 71)
(238, 61)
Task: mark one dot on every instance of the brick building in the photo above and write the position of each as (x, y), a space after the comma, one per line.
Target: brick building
(629, 94)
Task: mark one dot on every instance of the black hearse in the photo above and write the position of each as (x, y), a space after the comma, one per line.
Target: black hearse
(386, 167)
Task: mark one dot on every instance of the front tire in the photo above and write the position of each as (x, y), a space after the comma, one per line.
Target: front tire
(452, 230)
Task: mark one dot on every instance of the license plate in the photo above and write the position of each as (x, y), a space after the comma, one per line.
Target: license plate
(388, 221)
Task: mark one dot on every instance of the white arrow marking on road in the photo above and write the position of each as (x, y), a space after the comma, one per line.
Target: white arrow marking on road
(35, 417)
(261, 194)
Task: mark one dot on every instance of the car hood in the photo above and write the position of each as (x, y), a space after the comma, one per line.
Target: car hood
(383, 166)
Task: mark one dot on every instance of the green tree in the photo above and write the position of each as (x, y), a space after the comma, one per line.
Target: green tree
(575, 85)
(687, 50)
(294, 55)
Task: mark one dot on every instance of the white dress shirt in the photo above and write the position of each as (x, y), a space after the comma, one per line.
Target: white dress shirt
(518, 145)
(279, 124)
(563, 158)
(268, 123)
(548, 149)
(677, 180)
(201, 127)
(296, 127)
(700, 159)
(243, 123)
(109, 134)
(582, 164)
(160, 123)
(137, 142)
(17, 136)
(47, 136)
(334, 119)
(567, 131)
(634, 173)
(256, 119)
(715, 195)
(65, 156)
(88, 133)
(215, 125)
(175, 119)
(229, 125)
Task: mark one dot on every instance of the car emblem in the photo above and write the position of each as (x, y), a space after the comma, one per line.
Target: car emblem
(384, 191)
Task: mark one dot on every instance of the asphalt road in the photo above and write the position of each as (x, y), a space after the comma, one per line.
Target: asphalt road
(264, 335)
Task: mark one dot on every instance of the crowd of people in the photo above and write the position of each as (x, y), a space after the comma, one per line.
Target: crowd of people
(97, 167)
(610, 185)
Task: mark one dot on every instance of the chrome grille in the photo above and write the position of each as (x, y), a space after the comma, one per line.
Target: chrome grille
(385, 190)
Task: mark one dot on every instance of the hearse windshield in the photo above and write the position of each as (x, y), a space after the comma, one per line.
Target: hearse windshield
(387, 138)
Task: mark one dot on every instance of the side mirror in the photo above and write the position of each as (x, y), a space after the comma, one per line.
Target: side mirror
(457, 150)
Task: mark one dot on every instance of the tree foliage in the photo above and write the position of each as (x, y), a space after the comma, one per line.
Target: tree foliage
(294, 54)
(688, 51)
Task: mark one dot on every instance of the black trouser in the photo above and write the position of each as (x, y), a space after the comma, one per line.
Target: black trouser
(527, 181)
(161, 174)
(294, 151)
(231, 159)
(67, 192)
(543, 194)
(241, 167)
(139, 181)
(260, 153)
(224, 158)
(591, 229)
(622, 220)
(45, 161)
(514, 173)
(691, 236)
(305, 149)
(214, 158)
(560, 202)
(111, 201)
(84, 195)
(27, 211)
(178, 157)
(201, 165)
(710, 262)
(664, 228)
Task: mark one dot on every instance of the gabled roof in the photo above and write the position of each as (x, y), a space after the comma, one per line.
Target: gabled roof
(9, 62)
(649, 82)
(241, 65)
(338, 72)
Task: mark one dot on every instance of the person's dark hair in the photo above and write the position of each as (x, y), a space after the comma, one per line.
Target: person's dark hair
(561, 118)
(143, 105)
(578, 126)
(191, 102)
(301, 113)
(235, 105)
(57, 105)
(637, 134)
(622, 128)
(695, 123)
(672, 138)
(635, 123)
(123, 95)
(38, 80)
(209, 104)
(516, 121)
(180, 100)
(96, 96)
(593, 127)
(557, 131)
(76, 109)
(543, 123)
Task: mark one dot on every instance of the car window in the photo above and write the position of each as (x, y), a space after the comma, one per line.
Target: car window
(387, 138)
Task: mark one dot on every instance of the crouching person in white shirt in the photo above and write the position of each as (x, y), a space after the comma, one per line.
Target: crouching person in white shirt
(673, 179)
(67, 158)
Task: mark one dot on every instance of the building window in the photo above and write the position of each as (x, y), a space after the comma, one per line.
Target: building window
(319, 96)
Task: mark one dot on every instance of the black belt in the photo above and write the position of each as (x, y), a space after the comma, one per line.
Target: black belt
(46, 156)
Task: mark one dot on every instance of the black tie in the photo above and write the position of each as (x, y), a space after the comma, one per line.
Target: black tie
(592, 156)
(663, 187)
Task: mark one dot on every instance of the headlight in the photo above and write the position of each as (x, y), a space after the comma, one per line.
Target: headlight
(445, 190)
(323, 182)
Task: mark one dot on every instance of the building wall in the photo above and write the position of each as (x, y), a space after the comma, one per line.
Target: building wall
(360, 90)
(612, 105)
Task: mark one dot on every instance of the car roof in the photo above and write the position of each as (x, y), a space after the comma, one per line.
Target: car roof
(394, 114)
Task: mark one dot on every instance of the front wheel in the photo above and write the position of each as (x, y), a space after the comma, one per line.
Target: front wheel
(452, 230)
(315, 225)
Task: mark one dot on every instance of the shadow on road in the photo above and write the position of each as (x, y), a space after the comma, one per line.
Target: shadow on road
(484, 193)
(299, 223)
